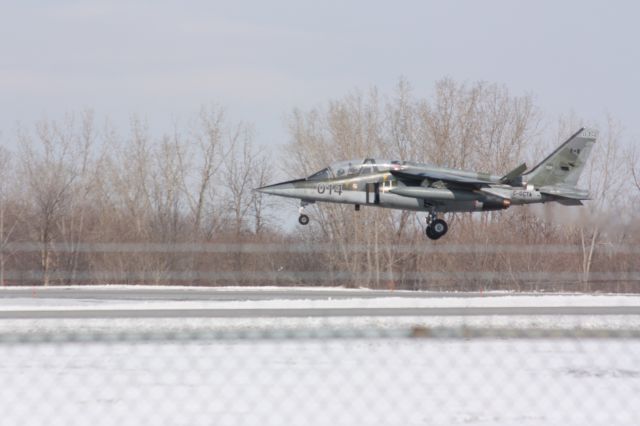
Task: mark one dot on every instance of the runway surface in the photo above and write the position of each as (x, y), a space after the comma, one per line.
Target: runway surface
(270, 302)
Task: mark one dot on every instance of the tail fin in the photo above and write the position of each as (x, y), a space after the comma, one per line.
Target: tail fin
(565, 164)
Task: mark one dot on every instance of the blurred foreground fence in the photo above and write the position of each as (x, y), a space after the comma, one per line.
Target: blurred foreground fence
(434, 266)
(403, 376)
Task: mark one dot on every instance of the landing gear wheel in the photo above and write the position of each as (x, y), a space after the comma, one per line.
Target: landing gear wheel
(429, 233)
(439, 227)
(303, 219)
(436, 229)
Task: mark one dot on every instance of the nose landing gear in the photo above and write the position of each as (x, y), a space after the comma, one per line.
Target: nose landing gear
(303, 219)
(436, 228)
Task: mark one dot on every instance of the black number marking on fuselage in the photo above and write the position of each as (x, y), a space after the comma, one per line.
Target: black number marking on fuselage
(337, 188)
(523, 194)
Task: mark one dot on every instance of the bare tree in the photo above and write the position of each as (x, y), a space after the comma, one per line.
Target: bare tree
(605, 180)
(238, 177)
(206, 158)
(7, 225)
(635, 169)
(51, 164)
(72, 226)
(260, 203)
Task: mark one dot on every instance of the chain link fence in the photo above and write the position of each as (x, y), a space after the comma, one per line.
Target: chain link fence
(412, 266)
(320, 376)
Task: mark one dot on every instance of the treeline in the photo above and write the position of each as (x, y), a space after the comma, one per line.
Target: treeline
(69, 185)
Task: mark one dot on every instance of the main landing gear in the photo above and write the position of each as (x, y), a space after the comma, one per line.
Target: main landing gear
(436, 228)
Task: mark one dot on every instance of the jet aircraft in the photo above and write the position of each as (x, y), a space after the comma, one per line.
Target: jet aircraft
(436, 190)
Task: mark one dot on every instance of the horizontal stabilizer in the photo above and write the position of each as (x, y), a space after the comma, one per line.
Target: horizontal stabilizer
(568, 193)
(569, 202)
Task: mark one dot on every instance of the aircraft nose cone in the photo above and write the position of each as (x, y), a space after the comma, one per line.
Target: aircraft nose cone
(274, 189)
(282, 188)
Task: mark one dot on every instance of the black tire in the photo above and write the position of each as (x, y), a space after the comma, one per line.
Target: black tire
(439, 228)
(303, 219)
(430, 233)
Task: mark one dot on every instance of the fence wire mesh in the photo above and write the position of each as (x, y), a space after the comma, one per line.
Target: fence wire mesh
(415, 266)
(313, 376)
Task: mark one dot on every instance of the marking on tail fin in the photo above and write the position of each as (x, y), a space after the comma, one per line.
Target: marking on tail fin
(565, 164)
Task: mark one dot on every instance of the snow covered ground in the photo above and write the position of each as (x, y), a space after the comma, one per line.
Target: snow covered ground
(323, 382)
(266, 378)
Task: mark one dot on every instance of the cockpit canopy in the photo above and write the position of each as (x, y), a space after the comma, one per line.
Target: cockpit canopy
(351, 168)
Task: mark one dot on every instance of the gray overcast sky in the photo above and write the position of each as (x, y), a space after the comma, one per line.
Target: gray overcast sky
(163, 59)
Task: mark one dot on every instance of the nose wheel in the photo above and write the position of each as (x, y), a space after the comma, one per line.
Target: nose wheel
(303, 219)
(436, 228)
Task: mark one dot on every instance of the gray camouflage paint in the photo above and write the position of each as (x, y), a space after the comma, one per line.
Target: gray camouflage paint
(421, 187)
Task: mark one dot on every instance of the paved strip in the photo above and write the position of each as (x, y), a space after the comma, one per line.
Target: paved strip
(316, 312)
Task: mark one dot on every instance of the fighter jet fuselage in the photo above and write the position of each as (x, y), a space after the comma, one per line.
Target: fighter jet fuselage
(413, 186)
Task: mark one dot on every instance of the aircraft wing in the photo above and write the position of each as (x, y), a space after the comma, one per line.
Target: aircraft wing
(420, 175)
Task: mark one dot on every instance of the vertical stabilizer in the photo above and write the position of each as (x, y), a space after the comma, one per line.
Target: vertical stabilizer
(565, 164)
